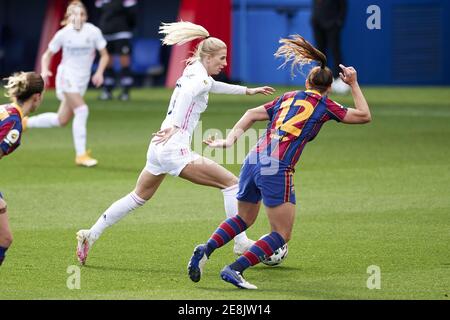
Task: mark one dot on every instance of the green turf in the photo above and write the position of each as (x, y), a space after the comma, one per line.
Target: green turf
(369, 195)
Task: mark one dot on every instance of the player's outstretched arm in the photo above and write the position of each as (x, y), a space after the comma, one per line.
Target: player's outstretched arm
(361, 113)
(260, 90)
(247, 120)
(226, 88)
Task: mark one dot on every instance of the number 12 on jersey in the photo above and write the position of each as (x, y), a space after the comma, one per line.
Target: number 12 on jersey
(289, 125)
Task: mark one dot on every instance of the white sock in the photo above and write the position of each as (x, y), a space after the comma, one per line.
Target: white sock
(79, 129)
(231, 208)
(44, 120)
(116, 212)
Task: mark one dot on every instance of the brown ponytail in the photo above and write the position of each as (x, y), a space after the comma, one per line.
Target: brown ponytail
(299, 52)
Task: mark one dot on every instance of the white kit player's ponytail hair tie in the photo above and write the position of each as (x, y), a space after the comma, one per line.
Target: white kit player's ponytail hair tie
(178, 33)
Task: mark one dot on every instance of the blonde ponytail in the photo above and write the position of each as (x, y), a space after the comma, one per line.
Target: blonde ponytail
(17, 85)
(181, 32)
(178, 33)
(22, 85)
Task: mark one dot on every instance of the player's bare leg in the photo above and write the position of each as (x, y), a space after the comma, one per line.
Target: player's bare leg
(146, 187)
(282, 219)
(206, 172)
(148, 184)
(6, 237)
(65, 113)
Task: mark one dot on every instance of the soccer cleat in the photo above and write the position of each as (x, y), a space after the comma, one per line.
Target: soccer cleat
(234, 277)
(197, 262)
(240, 247)
(86, 160)
(85, 242)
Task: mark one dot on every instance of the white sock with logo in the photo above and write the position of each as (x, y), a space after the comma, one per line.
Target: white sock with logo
(116, 212)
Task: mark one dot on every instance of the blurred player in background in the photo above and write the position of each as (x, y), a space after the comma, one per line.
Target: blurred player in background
(295, 118)
(328, 18)
(25, 89)
(117, 21)
(170, 151)
(79, 41)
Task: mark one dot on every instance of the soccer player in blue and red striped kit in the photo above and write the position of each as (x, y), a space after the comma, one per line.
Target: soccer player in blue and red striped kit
(295, 118)
(25, 89)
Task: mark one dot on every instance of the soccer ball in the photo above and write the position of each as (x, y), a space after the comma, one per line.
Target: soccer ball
(277, 257)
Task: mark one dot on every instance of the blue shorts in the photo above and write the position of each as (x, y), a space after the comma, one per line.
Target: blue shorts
(1, 196)
(272, 182)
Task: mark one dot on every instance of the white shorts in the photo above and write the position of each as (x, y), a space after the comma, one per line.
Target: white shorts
(67, 82)
(170, 158)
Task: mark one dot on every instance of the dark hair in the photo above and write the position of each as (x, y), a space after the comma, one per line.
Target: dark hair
(23, 85)
(300, 52)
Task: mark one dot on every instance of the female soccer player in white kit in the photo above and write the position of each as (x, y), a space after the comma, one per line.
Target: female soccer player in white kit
(79, 41)
(170, 151)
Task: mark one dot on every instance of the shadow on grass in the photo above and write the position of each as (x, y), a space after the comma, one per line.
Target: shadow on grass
(69, 166)
(271, 294)
(305, 290)
(114, 169)
(119, 269)
(276, 268)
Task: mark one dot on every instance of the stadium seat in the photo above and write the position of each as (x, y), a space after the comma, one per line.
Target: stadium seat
(146, 59)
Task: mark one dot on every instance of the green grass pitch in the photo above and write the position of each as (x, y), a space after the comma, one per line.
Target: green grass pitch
(368, 195)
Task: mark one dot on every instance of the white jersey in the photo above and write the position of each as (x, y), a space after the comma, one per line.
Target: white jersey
(79, 48)
(190, 99)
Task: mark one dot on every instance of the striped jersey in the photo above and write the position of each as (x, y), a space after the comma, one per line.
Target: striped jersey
(295, 119)
(10, 127)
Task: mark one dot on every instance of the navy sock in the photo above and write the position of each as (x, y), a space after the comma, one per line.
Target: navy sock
(262, 248)
(229, 229)
(2, 254)
(126, 79)
(110, 79)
